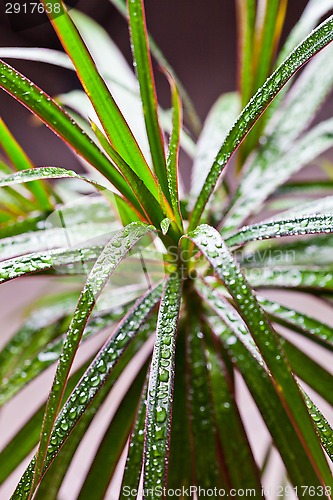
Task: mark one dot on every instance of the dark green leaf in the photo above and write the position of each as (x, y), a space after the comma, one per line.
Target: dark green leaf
(160, 389)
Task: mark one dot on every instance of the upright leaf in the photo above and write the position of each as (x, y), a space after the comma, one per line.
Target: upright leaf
(145, 75)
(160, 390)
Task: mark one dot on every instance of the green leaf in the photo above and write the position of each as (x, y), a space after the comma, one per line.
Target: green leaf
(106, 108)
(210, 243)
(239, 463)
(61, 123)
(190, 110)
(307, 252)
(282, 227)
(44, 261)
(180, 469)
(311, 328)
(217, 124)
(41, 326)
(317, 40)
(148, 199)
(27, 437)
(30, 366)
(133, 467)
(143, 67)
(305, 187)
(96, 375)
(205, 461)
(107, 262)
(311, 372)
(230, 329)
(113, 442)
(160, 389)
(312, 279)
(261, 181)
(173, 151)
(20, 161)
(323, 428)
(246, 12)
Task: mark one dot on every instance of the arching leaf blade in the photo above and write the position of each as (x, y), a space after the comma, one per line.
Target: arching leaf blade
(317, 40)
(40, 104)
(228, 327)
(103, 366)
(227, 270)
(113, 443)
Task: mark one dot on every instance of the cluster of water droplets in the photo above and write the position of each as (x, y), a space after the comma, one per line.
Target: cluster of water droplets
(161, 384)
(100, 370)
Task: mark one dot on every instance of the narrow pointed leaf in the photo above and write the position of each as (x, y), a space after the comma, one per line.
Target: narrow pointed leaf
(180, 472)
(134, 460)
(113, 442)
(323, 428)
(143, 67)
(261, 181)
(173, 151)
(32, 366)
(203, 427)
(234, 336)
(311, 328)
(98, 372)
(21, 161)
(241, 468)
(276, 228)
(317, 40)
(217, 124)
(109, 259)
(312, 279)
(39, 103)
(226, 268)
(191, 112)
(160, 389)
(246, 11)
(44, 261)
(311, 372)
(106, 108)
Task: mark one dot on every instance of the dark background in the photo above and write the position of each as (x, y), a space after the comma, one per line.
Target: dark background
(197, 36)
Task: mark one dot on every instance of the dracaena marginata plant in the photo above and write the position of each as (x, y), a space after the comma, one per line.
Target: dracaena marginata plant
(198, 318)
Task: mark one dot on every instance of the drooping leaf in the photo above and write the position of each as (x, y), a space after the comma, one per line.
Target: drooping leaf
(134, 459)
(241, 469)
(160, 389)
(173, 150)
(311, 372)
(21, 161)
(317, 40)
(315, 330)
(261, 181)
(276, 228)
(210, 243)
(39, 103)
